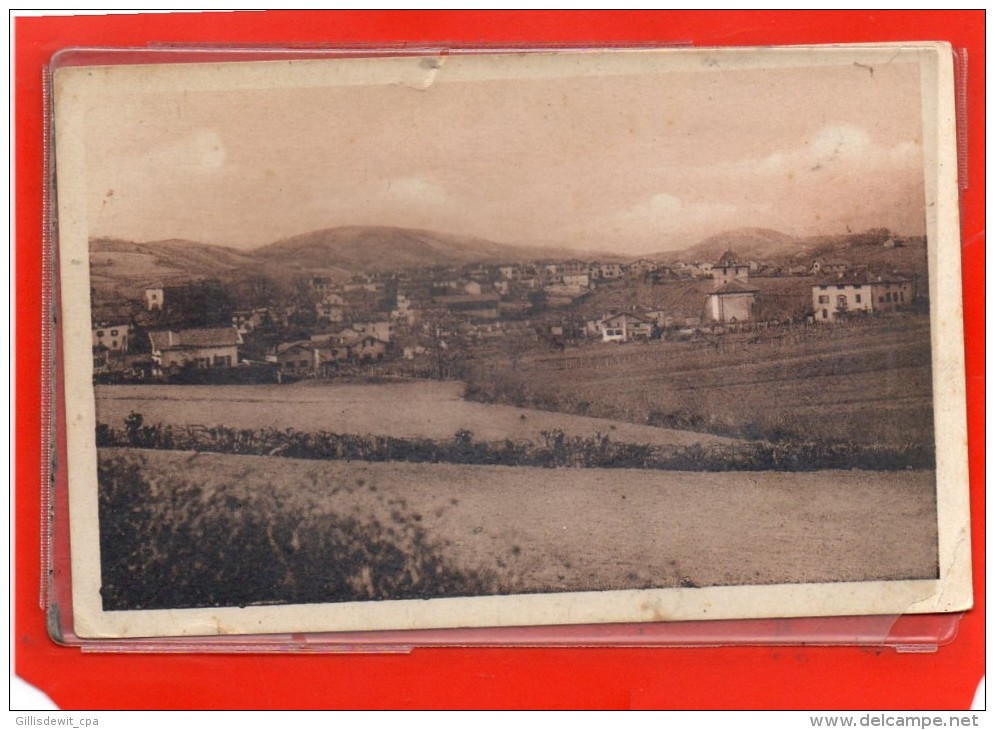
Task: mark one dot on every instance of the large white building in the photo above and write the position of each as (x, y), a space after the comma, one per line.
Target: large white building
(732, 302)
(834, 299)
(209, 347)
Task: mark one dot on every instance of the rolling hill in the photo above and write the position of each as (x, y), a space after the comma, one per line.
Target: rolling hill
(865, 248)
(115, 263)
(381, 248)
(749, 243)
(120, 268)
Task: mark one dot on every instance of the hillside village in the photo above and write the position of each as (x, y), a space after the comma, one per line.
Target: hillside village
(422, 321)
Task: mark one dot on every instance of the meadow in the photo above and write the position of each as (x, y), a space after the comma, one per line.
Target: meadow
(182, 529)
(413, 409)
(788, 456)
(870, 382)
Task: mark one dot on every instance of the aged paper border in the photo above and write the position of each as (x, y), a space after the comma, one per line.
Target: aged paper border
(75, 87)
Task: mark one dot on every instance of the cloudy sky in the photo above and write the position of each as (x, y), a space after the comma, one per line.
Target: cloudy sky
(627, 160)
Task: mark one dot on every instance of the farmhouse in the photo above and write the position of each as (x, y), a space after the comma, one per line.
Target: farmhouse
(298, 358)
(308, 359)
(837, 298)
(112, 337)
(154, 297)
(733, 302)
(642, 266)
(211, 347)
(382, 329)
(368, 349)
(829, 267)
(625, 327)
(579, 280)
(729, 268)
(891, 294)
(608, 271)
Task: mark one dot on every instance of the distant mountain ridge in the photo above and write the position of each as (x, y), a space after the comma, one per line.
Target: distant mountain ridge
(383, 248)
(120, 265)
(747, 243)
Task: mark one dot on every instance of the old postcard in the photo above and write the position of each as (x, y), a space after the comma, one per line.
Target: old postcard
(511, 339)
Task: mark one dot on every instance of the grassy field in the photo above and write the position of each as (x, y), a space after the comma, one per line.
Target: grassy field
(870, 383)
(429, 409)
(780, 297)
(184, 529)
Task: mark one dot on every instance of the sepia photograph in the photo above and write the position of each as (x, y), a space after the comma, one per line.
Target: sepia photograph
(511, 339)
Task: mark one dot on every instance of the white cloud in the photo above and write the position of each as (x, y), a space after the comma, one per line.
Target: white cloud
(665, 219)
(415, 190)
(835, 148)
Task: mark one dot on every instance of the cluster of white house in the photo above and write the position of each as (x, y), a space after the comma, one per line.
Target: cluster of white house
(218, 347)
(732, 300)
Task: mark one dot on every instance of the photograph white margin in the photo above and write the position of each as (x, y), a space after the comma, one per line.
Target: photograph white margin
(952, 592)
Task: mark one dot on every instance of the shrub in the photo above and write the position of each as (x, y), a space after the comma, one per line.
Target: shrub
(170, 543)
(556, 450)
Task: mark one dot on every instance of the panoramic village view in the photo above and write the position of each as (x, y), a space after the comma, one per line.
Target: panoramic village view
(417, 410)
(563, 333)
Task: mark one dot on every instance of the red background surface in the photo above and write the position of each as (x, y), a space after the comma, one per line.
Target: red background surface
(707, 678)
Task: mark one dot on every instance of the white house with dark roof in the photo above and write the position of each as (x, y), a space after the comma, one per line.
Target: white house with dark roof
(208, 347)
(625, 327)
(112, 337)
(833, 299)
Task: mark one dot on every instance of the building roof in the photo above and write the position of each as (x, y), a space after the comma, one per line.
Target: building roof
(284, 347)
(735, 287)
(630, 315)
(861, 279)
(466, 298)
(729, 258)
(204, 337)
